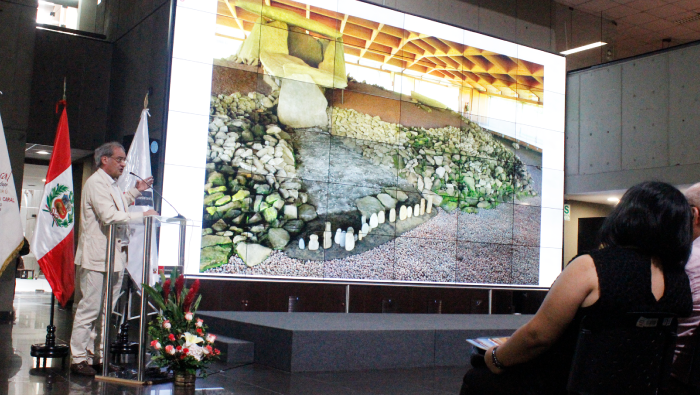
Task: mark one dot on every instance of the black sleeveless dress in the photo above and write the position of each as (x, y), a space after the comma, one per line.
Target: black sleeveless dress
(624, 279)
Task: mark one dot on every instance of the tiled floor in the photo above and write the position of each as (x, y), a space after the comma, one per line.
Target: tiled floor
(32, 310)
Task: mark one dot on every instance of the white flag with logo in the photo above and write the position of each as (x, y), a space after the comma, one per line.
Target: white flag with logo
(138, 161)
(11, 237)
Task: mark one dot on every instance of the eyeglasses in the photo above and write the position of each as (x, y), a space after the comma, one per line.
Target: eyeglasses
(119, 160)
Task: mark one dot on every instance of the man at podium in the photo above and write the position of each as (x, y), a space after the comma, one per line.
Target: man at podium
(102, 204)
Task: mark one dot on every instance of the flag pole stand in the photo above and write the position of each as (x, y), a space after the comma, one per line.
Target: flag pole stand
(50, 349)
(122, 346)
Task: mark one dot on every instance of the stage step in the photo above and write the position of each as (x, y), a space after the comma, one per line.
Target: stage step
(313, 342)
(235, 352)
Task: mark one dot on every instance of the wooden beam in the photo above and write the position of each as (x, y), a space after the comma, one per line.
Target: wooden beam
(235, 16)
(342, 24)
(439, 46)
(501, 64)
(480, 64)
(396, 50)
(371, 39)
(418, 58)
(360, 32)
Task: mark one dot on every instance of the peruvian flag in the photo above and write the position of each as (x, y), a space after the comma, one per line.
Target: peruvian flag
(53, 238)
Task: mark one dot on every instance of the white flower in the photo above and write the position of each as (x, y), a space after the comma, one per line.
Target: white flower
(191, 340)
(166, 324)
(189, 316)
(199, 323)
(196, 351)
(211, 338)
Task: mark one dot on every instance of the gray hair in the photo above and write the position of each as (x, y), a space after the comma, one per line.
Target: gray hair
(106, 149)
(693, 195)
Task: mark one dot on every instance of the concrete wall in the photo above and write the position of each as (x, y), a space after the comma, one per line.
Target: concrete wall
(634, 121)
(579, 210)
(140, 63)
(86, 64)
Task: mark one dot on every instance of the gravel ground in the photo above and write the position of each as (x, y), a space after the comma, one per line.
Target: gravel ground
(431, 252)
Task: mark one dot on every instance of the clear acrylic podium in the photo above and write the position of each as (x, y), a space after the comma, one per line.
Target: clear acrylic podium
(160, 224)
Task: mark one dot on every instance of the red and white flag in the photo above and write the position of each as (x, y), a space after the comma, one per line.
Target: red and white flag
(53, 238)
(11, 237)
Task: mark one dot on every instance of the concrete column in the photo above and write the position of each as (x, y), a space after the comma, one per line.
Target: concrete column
(87, 10)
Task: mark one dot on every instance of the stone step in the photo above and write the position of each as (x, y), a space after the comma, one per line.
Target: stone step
(235, 351)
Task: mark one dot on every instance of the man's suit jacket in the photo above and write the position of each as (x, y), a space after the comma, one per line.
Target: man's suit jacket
(99, 209)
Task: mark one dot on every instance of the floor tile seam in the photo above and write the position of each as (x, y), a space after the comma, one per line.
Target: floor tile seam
(254, 385)
(262, 388)
(329, 382)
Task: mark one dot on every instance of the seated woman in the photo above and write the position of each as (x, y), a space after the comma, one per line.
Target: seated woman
(646, 241)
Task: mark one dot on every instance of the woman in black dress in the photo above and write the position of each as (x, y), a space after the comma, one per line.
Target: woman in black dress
(646, 241)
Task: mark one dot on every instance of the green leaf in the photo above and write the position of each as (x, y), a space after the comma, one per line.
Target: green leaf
(195, 305)
(155, 296)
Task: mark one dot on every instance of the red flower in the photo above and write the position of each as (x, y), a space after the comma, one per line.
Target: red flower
(209, 348)
(185, 350)
(166, 289)
(178, 348)
(190, 296)
(179, 284)
(199, 331)
(153, 343)
(182, 356)
(171, 337)
(217, 352)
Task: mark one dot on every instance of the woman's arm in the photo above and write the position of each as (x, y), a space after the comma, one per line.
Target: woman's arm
(576, 286)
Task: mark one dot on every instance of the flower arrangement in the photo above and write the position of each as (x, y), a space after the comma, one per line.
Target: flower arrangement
(180, 340)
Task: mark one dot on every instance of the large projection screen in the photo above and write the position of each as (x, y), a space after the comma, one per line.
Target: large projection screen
(335, 140)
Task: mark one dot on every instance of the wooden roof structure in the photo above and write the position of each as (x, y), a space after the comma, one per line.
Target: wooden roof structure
(456, 63)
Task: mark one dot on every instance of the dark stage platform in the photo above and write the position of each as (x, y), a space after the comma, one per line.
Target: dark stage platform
(302, 342)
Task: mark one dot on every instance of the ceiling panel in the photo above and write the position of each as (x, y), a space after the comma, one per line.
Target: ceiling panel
(641, 26)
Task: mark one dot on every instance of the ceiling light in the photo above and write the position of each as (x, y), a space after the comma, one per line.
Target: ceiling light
(43, 180)
(614, 200)
(583, 48)
(43, 153)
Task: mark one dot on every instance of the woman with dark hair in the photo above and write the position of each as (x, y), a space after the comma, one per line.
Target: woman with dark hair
(645, 243)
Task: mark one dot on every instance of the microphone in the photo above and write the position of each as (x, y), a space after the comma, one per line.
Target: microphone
(180, 216)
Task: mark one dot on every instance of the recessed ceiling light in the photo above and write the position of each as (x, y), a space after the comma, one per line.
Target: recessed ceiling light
(583, 48)
(43, 180)
(614, 200)
(43, 153)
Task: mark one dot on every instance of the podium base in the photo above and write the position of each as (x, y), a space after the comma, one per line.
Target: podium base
(134, 382)
(43, 351)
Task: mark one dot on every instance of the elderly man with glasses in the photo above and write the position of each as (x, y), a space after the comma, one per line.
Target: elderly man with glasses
(102, 204)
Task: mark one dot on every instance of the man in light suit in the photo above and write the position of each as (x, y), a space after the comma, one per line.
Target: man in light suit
(102, 204)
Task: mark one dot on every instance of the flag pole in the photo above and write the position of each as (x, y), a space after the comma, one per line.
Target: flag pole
(50, 349)
(51, 329)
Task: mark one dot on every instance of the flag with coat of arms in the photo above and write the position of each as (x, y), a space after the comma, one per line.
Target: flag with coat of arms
(53, 242)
